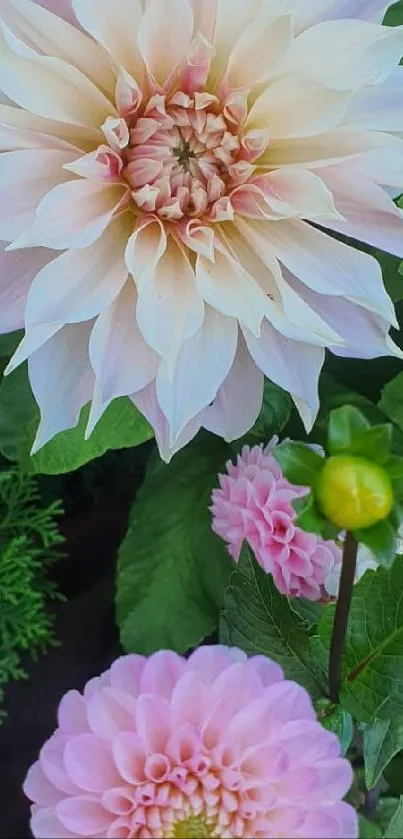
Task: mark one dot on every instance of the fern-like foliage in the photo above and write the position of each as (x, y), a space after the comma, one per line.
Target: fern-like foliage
(28, 539)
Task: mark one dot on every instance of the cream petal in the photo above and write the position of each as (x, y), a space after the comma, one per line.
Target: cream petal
(378, 107)
(297, 192)
(239, 399)
(328, 148)
(226, 286)
(52, 88)
(72, 215)
(289, 316)
(210, 352)
(369, 53)
(164, 36)
(122, 361)
(25, 178)
(291, 365)
(231, 18)
(309, 12)
(19, 139)
(369, 213)
(145, 248)
(22, 121)
(297, 107)
(80, 284)
(47, 33)
(328, 266)
(61, 367)
(170, 308)
(62, 8)
(365, 334)
(146, 401)
(115, 25)
(258, 51)
(17, 271)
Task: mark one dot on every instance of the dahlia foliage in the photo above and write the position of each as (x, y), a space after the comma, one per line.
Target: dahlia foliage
(170, 176)
(216, 746)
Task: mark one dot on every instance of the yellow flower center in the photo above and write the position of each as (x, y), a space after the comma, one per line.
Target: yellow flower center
(194, 827)
(353, 493)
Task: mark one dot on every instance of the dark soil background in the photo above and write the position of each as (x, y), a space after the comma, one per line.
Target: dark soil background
(97, 501)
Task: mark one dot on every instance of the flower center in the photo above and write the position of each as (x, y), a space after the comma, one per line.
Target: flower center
(193, 827)
(181, 156)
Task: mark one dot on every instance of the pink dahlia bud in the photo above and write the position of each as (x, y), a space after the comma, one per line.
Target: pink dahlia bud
(254, 504)
(218, 745)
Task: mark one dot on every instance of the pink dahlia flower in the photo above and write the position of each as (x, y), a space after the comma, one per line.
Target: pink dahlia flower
(167, 170)
(216, 745)
(254, 504)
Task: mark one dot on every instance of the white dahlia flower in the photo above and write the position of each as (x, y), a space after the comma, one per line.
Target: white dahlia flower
(170, 172)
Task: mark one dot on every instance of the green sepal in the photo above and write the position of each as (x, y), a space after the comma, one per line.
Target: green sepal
(381, 540)
(394, 468)
(300, 463)
(309, 518)
(346, 424)
(374, 444)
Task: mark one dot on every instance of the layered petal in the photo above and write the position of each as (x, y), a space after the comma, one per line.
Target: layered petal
(61, 366)
(239, 399)
(164, 36)
(146, 401)
(73, 215)
(115, 26)
(17, 271)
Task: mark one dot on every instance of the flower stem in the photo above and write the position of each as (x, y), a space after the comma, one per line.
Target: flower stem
(341, 615)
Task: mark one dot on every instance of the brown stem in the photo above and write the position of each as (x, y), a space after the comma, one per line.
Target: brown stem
(341, 615)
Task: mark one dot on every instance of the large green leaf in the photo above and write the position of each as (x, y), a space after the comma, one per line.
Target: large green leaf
(395, 827)
(172, 568)
(260, 620)
(382, 741)
(372, 685)
(122, 426)
(392, 400)
(274, 415)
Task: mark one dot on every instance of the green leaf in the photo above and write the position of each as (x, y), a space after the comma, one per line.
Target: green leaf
(260, 620)
(374, 443)
(345, 425)
(394, 16)
(382, 741)
(274, 415)
(368, 830)
(9, 343)
(301, 464)
(372, 684)
(335, 719)
(172, 568)
(381, 539)
(311, 520)
(391, 274)
(391, 402)
(394, 468)
(395, 827)
(122, 426)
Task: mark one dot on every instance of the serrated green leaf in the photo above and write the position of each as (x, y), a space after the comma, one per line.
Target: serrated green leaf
(372, 684)
(395, 827)
(382, 741)
(260, 620)
(122, 426)
(346, 424)
(274, 414)
(381, 539)
(301, 464)
(172, 568)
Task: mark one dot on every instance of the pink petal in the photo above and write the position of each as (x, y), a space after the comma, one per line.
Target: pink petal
(52, 765)
(130, 756)
(161, 673)
(108, 713)
(39, 789)
(45, 824)
(126, 673)
(153, 722)
(84, 816)
(89, 763)
(72, 714)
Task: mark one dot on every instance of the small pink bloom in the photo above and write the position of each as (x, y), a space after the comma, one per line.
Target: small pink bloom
(218, 745)
(254, 504)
